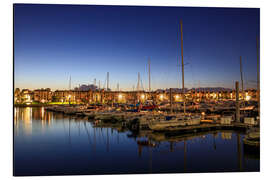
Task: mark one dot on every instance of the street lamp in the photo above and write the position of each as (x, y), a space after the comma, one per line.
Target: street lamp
(120, 96)
(161, 97)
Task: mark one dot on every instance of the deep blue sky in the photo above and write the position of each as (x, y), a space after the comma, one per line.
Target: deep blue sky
(52, 42)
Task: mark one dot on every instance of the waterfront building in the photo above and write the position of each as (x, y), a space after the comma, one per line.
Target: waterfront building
(26, 96)
(133, 97)
(43, 95)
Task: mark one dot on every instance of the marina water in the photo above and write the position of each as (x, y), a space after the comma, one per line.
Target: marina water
(49, 143)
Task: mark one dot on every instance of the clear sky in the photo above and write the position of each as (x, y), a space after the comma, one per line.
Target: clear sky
(54, 42)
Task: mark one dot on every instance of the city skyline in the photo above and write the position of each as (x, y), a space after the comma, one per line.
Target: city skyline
(54, 42)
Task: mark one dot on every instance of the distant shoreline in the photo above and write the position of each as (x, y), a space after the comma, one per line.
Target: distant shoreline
(38, 104)
(31, 105)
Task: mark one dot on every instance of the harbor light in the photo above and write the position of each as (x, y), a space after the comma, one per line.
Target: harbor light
(248, 97)
(161, 97)
(28, 97)
(120, 96)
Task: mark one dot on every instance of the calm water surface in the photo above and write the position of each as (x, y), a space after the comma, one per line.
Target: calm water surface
(48, 143)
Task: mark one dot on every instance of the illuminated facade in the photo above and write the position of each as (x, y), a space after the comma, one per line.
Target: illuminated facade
(102, 96)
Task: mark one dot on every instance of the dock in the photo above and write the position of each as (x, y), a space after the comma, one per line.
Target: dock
(205, 127)
(139, 121)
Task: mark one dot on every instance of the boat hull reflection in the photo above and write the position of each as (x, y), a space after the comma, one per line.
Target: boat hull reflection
(49, 143)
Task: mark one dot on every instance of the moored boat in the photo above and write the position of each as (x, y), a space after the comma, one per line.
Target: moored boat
(165, 122)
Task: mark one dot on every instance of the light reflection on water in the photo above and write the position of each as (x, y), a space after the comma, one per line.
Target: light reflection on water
(47, 143)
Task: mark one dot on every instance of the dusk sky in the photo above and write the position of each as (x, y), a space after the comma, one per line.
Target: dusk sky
(53, 42)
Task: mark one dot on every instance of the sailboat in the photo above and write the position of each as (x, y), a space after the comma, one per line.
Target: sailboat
(175, 120)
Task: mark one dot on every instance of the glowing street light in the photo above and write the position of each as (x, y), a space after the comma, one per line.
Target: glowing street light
(248, 97)
(161, 97)
(120, 96)
(28, 97)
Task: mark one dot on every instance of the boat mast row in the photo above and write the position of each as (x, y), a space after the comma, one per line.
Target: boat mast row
(183, 82)
(149, 78)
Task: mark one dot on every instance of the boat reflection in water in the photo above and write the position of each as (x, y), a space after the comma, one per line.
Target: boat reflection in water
(48, 143)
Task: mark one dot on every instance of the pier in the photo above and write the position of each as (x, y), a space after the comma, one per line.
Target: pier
(140, 120)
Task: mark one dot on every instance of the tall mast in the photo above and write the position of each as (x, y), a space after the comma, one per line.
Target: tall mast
(258, 75)
(138, 85)
(242, 84)
(69, 86)
(183, 82)
(149, 75)
(107, 81)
